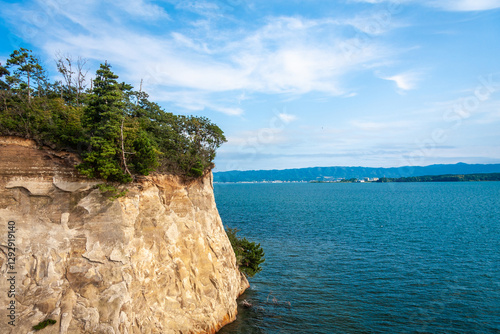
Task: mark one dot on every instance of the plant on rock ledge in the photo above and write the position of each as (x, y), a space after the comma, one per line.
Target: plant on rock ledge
(249, 255)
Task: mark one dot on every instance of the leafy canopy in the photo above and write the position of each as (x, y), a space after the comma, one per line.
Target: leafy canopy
(118, 132)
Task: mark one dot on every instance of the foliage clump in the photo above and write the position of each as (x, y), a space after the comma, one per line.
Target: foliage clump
(117, 131)
(249, 255)
(44, 324)
(110, 191)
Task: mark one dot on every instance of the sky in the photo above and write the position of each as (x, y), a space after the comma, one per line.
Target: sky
(293, 84)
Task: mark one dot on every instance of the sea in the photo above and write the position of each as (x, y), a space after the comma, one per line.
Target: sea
(369, 257)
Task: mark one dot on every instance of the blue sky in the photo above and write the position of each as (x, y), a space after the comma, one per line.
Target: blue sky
(293, 84)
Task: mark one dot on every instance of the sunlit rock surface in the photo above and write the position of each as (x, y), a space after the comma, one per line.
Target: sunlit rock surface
(154, 261)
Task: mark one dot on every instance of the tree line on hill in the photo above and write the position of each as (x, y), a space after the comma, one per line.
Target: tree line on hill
(117, 130)
(351, 173)
(445, 178)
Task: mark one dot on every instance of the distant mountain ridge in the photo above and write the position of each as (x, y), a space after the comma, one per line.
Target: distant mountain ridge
(329, 173)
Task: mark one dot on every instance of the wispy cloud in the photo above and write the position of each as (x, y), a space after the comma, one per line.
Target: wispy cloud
(284, 55)
(200, 7)
(260, 139)
(465, 5)
(143, 9)
(449, 5)
(381, 1)
(382, 126)
(194, 101)
(287, 118)
(405, 81)
(324, 60)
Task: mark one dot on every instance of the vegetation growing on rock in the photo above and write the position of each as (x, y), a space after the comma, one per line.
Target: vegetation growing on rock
(249, 255)
(44, 324)
(117, 131)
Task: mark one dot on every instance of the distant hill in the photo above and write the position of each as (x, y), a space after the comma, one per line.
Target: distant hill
(446, 178)
(332, 173)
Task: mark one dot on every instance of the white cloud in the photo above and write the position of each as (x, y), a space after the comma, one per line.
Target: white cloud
(489, 118)
(404, 81)
(200, 7)
(189, 43)
(379, 1)
(376, 23)
(195, 101)
(449, 5)
(465, 5)
(256, 139)
(287, 118)
(382, 126)
(286, 55)
(142, 9)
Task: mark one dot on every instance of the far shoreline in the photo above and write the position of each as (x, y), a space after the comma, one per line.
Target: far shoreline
(486, 177)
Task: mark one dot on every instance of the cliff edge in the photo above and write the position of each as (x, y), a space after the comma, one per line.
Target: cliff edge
(154, 261)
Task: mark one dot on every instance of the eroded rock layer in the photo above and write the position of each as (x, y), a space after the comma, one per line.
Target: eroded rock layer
(154, 261)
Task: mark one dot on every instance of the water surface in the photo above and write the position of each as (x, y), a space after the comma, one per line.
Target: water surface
(370, 258)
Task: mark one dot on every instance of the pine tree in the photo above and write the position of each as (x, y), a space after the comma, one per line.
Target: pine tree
(27, 69)
(102, 120)
(3, 72)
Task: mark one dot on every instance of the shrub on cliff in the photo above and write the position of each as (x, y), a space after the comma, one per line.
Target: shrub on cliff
(44, 324)
(117, 131)
(249, 255)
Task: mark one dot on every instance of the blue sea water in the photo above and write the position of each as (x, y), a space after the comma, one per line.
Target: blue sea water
(369, 258)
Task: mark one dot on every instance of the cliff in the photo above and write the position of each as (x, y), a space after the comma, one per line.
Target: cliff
(154, 261)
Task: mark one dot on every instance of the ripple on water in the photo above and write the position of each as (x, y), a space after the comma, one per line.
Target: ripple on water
(369, 258)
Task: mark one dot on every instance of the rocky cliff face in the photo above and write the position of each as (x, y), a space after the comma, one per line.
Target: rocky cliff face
(154, 261)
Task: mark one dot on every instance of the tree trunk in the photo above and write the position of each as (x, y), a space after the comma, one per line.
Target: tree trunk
(29, 89)
(123, 149)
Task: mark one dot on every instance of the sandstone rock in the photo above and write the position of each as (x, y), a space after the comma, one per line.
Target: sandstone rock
(154, 261)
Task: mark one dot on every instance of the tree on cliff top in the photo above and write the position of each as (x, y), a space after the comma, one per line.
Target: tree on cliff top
(113, 133)
(3, 72)
(26, 69)
(101, 122)
(117, 131)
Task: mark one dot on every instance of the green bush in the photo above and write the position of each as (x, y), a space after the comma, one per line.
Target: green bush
(44, 324)
(111, 191)
(249, 255)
